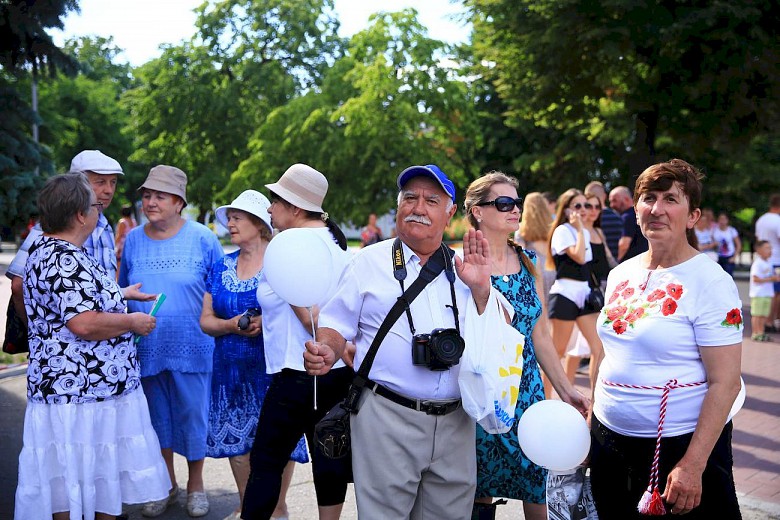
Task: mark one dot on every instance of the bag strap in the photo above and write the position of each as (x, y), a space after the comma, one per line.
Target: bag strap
(432, 268)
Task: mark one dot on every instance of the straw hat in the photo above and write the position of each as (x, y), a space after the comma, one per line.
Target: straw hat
(251, 201)
(167, 179)
(302, 186)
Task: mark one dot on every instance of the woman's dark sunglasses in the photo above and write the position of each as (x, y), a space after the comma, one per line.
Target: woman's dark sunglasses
(504, 203)
(587, 205)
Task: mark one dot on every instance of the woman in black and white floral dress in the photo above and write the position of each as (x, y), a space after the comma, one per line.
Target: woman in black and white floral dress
(89, 445)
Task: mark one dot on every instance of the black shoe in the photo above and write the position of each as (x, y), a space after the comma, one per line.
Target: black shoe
(770, 328)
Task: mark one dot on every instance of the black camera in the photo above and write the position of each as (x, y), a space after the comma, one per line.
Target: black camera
(438, 350)
(243, 321)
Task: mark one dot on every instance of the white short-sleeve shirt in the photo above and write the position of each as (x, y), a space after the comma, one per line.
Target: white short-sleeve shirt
(284, 336)
(652, 327)
(366, 293)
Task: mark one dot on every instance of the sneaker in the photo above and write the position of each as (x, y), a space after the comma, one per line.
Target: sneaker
(158, 507)
(197, 504)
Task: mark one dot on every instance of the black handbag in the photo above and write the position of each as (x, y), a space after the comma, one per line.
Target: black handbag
(332, 432)
(596, 298)
(15, 341)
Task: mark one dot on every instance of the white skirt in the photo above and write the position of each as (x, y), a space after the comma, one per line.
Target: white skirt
(88, 458)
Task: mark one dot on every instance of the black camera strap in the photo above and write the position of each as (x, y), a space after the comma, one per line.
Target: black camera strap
(432, 268)
(399, 271)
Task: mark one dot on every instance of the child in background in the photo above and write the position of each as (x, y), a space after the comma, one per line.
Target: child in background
(762, 276)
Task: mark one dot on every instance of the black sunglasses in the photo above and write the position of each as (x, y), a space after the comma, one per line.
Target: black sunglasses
(504, 204)
(587, 205)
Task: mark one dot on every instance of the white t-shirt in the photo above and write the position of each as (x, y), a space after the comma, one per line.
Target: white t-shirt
(564, 237)
(366, 294)
(768, 228)
(284, 335)
(762, 269)
(725, 239)
(653, 325)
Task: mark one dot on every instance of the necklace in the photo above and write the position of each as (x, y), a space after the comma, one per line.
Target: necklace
(505, 272)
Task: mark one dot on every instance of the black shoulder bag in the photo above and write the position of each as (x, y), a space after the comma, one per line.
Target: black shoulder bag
(332, 433)
(595, 299)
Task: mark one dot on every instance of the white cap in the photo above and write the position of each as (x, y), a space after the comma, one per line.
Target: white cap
(96, 162)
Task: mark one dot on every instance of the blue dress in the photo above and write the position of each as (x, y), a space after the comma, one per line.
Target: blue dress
(239, 381)
(502, 468)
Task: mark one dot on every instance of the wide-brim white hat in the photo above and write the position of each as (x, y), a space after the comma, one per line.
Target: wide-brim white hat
(251, 201)
(302, 186)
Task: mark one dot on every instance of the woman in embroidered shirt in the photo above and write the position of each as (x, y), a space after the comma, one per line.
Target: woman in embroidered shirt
(88, 441)
(503, 470)
(172, 255)
(570, 254)
(239, 382)
(672, 333)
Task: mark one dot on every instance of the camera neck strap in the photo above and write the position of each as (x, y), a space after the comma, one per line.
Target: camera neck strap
(440, 261)
(430, 271)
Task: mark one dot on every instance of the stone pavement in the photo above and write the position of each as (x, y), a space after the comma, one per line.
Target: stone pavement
(756, 441)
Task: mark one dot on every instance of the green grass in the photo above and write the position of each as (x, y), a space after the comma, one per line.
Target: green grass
(8, 359)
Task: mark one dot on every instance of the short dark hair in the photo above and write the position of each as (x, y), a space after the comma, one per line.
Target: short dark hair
(661, 177)
(759, 243)
(62, 198)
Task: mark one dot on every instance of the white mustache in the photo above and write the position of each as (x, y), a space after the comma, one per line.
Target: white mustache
(420, 219)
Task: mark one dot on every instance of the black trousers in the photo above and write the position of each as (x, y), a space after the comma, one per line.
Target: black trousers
(287, 413)
(620, 472)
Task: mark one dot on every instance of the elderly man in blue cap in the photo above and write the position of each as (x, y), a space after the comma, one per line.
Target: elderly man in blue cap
(413, 453)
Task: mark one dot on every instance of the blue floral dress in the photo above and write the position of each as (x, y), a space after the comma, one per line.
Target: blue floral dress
(502, 468)
(239, 381)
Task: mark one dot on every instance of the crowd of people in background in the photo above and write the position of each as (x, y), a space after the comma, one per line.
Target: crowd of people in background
(224, 367)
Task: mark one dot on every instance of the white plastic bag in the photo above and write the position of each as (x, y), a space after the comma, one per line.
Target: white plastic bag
(491, 365)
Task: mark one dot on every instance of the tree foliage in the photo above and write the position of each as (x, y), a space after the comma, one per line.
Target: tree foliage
(25, 48)
(388, 103)
(197, 106)
(627, 83)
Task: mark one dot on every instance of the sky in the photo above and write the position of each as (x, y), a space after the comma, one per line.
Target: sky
(140, 26)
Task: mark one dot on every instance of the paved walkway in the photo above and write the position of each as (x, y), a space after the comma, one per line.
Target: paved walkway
(756, 441)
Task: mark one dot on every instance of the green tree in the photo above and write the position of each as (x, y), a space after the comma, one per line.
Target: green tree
(25, 49)
(197, 106)
(390, 102)
(625, 84)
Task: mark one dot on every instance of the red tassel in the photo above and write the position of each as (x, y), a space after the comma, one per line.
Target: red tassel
(651, 504)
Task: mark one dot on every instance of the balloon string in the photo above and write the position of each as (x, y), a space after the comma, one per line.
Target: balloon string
(314, 337)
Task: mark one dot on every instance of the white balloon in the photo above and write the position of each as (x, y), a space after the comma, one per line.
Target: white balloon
(739, 401)
(298, 267)
(554, 435)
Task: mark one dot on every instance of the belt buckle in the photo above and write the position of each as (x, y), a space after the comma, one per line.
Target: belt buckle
(434, 408)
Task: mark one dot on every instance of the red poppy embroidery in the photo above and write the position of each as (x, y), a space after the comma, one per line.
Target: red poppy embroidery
(616, 312)
(619, 326)
(734, 317)
(675, 290)
(622, 285)
(668, 307)
(635, 315)
(613, 297)
(628, 292)
(656, 295)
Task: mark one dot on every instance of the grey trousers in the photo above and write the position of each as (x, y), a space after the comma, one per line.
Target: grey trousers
(407, 464)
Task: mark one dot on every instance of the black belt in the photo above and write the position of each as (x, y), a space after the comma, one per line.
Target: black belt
(421, 405)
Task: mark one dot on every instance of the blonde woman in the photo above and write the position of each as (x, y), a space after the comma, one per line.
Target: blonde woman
(535, 222)
(493, 207)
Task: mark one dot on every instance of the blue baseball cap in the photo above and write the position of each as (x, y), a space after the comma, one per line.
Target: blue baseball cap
(431, 171)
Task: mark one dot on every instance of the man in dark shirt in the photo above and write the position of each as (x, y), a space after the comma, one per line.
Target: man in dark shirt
(632, 241)
(611, 223)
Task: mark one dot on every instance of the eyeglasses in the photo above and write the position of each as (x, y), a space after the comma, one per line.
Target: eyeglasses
(98, 205)
(504, 204)
(587, 205)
